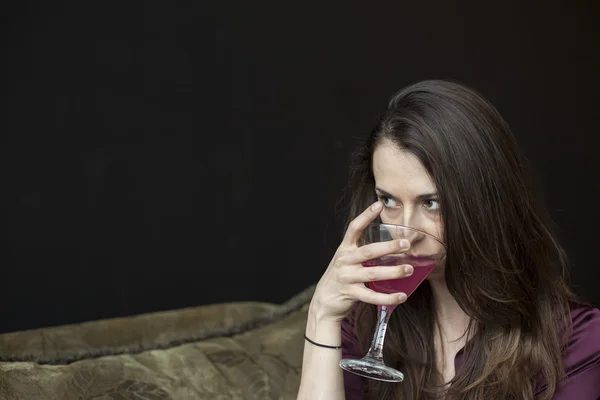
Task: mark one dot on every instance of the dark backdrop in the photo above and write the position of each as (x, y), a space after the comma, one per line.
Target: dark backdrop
(158, 155)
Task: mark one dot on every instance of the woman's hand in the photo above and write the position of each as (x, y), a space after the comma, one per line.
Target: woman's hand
(342, 284)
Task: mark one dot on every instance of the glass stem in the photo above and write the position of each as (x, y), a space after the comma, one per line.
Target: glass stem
(383, 316)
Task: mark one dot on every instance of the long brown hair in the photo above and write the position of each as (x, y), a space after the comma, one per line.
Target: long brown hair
(504, 265)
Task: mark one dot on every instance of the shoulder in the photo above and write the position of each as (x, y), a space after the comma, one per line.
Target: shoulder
(582, 357)
(585, 334)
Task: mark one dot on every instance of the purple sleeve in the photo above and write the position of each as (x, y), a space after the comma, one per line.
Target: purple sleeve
(353, 384)
(582, 360)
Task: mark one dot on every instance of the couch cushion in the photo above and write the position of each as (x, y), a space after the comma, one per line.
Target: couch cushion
(224, 351)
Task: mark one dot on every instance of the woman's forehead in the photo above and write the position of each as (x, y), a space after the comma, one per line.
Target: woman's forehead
(399, 172)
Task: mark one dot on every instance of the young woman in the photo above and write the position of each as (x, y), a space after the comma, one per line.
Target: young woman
(496, 320)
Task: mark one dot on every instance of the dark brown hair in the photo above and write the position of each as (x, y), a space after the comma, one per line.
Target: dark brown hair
(504, 266)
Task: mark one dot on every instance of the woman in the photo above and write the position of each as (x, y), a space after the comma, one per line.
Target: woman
(497, 320)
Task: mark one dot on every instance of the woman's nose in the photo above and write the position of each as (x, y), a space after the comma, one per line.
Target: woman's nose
(401, 232)
(409, 217)
(411, 235)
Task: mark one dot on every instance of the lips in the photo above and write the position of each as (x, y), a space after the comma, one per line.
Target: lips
(416, 260)
(419, 260)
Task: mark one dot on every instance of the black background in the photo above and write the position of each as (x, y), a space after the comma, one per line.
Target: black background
(159, 155)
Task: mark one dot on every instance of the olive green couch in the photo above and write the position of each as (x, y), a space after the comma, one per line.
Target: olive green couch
(227, 351)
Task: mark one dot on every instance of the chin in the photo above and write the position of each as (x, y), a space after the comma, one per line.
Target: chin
(437, 273)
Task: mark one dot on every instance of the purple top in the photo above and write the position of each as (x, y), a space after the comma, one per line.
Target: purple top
(582, 360)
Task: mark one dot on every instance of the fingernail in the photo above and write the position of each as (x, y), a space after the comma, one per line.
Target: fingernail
(408, 269)
(402, 297)
(376, 206)
(404, 243)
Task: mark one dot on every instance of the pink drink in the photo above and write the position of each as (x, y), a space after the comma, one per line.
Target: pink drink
(406, 285)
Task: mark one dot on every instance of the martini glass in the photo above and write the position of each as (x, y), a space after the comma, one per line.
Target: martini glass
(425, 253)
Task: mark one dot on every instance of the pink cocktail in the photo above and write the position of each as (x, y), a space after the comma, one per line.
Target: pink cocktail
(422, 268)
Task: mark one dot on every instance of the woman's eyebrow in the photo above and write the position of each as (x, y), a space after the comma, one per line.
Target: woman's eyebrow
(424, 196)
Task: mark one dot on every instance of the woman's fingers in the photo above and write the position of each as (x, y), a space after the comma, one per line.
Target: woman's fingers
(367, 295)
(372, 274)
(375, 250)
(356, 227)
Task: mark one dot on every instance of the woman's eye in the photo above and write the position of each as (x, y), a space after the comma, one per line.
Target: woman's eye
(432, 205)
(388, 202)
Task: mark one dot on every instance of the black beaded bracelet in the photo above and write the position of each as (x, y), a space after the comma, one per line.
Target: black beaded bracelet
(321, 345)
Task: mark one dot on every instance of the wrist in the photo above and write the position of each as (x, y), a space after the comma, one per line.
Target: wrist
(321, 314)
(323, 328)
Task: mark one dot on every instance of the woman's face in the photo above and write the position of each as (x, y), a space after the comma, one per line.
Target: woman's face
(408, 194)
